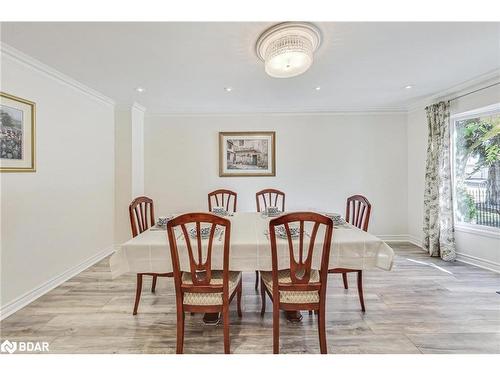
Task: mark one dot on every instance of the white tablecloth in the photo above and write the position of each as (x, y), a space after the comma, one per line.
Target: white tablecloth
(250, 249)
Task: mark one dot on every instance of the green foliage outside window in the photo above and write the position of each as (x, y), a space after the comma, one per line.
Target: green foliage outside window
(477, 142)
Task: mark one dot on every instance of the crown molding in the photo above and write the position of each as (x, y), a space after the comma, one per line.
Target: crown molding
(125, 107)
(16, 55)
(456, 90)
(277, 112)
(138, 106)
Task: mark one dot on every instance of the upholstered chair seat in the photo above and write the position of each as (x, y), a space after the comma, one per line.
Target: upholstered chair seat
(205, 299)
(291, 296)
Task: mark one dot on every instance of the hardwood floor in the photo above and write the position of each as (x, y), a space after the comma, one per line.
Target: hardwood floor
(424, 305)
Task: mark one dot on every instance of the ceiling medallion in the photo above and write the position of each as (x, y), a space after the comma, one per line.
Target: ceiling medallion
(287, 48)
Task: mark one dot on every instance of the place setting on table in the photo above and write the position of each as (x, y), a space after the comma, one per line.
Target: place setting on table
(268, 213)
(161, 225)
(294, 231)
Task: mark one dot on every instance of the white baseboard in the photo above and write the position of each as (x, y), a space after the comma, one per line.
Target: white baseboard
(464, 258)
(393, 237)
(398, 238)
(415, 240)
(479, 262)
(11, 307)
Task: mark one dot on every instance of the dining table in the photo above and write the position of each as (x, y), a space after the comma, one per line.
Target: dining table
(351, 248)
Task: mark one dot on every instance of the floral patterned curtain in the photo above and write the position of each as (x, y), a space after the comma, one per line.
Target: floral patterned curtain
(439, 239)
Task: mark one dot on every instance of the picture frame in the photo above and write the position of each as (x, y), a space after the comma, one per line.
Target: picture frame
(17, 134)
(247, 154)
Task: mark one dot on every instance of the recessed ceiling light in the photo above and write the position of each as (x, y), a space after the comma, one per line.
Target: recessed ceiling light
(408, 87)
(317, 88)
(228, 89)
(140, 89)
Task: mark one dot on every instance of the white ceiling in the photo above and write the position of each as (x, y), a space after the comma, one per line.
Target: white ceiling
(184, 67)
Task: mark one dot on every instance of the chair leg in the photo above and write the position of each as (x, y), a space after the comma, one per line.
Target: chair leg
(238, 298)
(322, 330)
(276, 328)
(360, 290)
(310, 312)
(344, 278)
(153, 285)
(225, 317)
(180, 330)
(138, 291)
(263, 297)
(256, 280)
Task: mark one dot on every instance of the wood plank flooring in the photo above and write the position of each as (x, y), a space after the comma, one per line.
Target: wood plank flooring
(424, 305)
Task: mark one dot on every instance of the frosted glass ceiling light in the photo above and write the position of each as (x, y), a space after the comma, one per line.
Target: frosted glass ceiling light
(287, 48)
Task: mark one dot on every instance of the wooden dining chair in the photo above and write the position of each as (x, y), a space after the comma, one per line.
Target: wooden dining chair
(299, 287)
(269, 198)
(357, 213)
(222, 198)
(142, 216)
(203, 289)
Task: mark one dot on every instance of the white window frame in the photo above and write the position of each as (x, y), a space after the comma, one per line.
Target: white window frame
(478, 229)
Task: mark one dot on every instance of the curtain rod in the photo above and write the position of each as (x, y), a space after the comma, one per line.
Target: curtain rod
(472, 92)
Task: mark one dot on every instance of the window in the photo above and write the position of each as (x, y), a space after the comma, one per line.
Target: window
(476, 167)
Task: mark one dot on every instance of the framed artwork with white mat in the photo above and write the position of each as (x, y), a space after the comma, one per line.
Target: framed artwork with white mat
(247, 154)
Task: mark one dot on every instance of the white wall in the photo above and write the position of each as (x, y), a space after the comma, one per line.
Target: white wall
(137, 117)
(123, 174)
(321, 159)
(129, 165)
(474, 247)
(56, 219)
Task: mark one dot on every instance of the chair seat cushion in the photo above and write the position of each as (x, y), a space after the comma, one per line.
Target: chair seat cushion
(287, 296)
(204, 299)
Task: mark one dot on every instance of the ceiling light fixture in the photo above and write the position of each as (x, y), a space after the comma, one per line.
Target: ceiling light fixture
(409, 87)
(228, 89)
(287, 49)
(317, 88)
(140, 89)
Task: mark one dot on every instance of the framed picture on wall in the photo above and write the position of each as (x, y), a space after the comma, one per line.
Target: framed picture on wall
(17, 134)
(247, 154)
